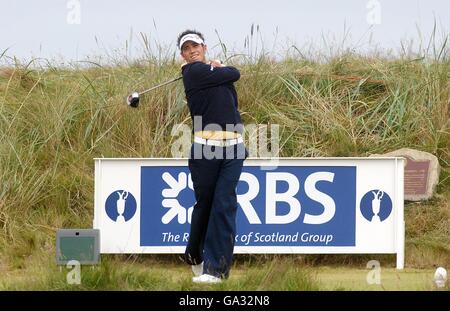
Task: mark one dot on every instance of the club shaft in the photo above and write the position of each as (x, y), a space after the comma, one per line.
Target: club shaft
(159, 85)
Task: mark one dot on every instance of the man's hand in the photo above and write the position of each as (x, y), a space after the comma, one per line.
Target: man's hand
(216, 63)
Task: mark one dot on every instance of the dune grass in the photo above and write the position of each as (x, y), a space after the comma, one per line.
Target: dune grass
(55, 120)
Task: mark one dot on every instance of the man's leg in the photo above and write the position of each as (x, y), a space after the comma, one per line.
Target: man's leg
(204, 174)
(221, 232)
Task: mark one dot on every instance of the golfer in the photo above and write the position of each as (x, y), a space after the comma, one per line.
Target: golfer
(216, 158)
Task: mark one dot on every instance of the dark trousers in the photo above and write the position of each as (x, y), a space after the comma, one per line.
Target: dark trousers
(213, 222)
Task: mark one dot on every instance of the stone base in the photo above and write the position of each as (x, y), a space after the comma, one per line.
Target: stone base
(421, 173)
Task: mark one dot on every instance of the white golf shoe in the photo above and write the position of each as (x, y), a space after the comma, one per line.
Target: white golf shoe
(206, 279)
(197, 269)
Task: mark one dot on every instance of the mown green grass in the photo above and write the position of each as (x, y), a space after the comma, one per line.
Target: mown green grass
(345, 278)
(54, 121)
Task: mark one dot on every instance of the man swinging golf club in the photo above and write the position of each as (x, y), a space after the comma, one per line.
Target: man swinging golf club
(216, 158)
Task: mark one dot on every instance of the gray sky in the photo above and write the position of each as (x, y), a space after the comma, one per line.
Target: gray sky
(57, 29)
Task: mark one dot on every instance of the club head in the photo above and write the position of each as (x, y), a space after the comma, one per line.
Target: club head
(133, 100)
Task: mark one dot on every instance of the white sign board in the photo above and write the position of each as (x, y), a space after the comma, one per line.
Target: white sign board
(303, 205)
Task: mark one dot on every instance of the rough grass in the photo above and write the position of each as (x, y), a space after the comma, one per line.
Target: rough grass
(54, 121)
(280, 273)
(122, 273)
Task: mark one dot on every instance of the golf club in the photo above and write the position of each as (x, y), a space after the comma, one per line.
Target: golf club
(133, 99)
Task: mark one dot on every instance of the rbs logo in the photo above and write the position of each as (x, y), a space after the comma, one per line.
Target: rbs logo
(183, 214)
(289, 200)
(272, 198)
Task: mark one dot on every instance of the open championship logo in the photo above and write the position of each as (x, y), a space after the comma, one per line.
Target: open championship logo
(376, 206)
(120, 206)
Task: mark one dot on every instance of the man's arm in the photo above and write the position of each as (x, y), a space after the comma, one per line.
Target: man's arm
(208, 75)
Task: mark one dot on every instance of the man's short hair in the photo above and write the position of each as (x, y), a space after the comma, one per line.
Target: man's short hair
(189, 31)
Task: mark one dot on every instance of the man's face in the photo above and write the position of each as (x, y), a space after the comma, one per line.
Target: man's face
(193, 52)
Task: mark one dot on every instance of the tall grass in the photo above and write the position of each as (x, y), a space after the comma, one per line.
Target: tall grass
(54, 121)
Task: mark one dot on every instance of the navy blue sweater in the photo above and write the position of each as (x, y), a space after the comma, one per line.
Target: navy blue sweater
(211, 94)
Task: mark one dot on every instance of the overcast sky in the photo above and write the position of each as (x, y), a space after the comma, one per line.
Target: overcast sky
(73, 29)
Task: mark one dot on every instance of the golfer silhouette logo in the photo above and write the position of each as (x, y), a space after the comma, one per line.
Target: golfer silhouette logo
(376, 206)
(120, 206)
